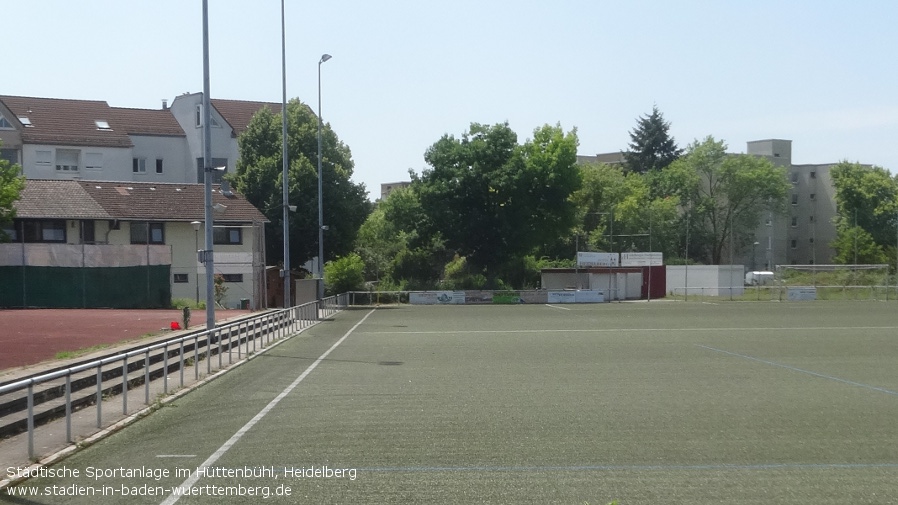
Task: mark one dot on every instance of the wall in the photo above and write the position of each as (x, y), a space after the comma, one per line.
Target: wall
(85, 276)
(177, 165)
(706, 280)
(116, 164)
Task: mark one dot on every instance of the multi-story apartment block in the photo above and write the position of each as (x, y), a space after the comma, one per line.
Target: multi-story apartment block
(804, 232)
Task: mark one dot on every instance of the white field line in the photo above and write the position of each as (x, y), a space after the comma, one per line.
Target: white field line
(623, 330)
(557, 307)
(172, 498)
(801, 370)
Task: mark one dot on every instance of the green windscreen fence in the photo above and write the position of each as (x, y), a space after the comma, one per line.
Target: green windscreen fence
(79, 287)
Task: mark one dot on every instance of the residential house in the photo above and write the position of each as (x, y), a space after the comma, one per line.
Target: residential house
(106, 224)
(229, 119)
(55, 138)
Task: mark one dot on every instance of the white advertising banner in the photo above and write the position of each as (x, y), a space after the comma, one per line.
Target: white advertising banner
(581, 296)
(597, 259)
(641, 259)
(801, 294)
(437, 298)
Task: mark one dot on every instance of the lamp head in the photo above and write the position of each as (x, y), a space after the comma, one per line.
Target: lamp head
(324, 57)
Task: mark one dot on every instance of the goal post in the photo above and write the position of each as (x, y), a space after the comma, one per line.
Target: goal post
(837, 282)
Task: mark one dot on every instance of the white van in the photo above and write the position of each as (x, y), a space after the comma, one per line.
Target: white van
(758, 278)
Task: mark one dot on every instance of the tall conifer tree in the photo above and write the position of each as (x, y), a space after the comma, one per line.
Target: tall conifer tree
(651, 147)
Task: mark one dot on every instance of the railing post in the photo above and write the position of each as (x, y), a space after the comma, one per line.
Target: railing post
(196, 357)
(146, 377)
(68, 407)
(181, 362)
(100, 396)
(209, 353)
(165, 372)
(31, 420)
(125, 385)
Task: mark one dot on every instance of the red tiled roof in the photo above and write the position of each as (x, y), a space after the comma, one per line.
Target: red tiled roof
(167, 202)
(57, 199)
(128, 201)
(159, 122)
(66, 122)
(238, 113)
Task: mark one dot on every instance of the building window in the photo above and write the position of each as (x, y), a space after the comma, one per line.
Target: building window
(813, 196)
(50, 230)
(139, 165)
(794, 177)
(180, 278)
(794, 221)
(813, 175)
(11, 231)
(67, 160)
(25, 122)
(102, 125)
(147, 233)
(43, 158)
(88, 232)
(232, 277)
(227, 236)
(811, 220)
(794, 199)
(93, 161)
(794, 244)
(10, 155)
(811, 240)
(199, 116)
(5, 124)
(158, 165)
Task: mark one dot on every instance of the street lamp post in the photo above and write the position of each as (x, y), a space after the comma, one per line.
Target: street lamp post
(285, 181)
(324, 57)
(208, 255)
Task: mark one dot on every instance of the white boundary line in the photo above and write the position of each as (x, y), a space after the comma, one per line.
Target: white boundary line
(557, 307)
(630, 330)
(801, 370)
(172, 498)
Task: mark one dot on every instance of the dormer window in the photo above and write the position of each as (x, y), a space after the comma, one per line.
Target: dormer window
(102, 125)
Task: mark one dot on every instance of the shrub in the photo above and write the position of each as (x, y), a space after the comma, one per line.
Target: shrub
(345, 274)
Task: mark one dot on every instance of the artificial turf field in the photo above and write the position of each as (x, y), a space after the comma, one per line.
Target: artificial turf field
(644, 403)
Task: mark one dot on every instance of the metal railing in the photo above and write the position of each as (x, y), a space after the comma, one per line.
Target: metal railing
(38, 399)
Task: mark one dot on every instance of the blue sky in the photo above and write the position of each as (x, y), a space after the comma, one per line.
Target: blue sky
(405, 72)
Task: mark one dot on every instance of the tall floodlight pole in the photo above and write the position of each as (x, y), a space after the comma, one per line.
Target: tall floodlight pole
(285, 181)
(324, 57)
(207, 174)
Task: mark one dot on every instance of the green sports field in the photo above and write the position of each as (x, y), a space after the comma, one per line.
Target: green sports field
(644, 403)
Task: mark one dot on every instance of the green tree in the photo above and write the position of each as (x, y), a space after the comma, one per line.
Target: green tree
(395, 244)
(493, 200)
(651, 146)
(855, 245)
(724, 195)
(345, 274)
(259, 179)
(866, 197)
(603, 188)
(11, 185)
